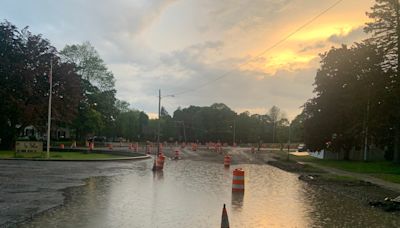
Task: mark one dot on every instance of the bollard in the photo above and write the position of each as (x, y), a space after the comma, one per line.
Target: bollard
(227, 160)
(61, 146)
(224, 219)
(238, 180)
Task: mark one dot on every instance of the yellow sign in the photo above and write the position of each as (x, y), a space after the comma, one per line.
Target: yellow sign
(28, 146)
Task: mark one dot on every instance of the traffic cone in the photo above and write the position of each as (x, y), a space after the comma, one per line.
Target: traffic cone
(224, 220)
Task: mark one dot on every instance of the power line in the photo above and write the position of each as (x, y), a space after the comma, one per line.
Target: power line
(223, 75)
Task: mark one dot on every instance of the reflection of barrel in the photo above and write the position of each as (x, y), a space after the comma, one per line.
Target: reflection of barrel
(160, 162)
(238, 180)
(227, 160)
(237, 200)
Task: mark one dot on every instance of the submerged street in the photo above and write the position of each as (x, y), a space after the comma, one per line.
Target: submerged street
(189, 191)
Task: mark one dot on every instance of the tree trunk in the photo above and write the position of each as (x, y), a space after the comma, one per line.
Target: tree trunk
(396, 146)
(397, 124)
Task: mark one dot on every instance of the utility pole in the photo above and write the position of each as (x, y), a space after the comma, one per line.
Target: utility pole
(234, 133)
(49, 111)
(366, 130)
(288, 147)
(184, 131)
(273, 131)
(159, 122)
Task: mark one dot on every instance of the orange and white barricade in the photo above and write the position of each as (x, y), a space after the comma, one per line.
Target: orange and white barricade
(238, 180)
(227, 160)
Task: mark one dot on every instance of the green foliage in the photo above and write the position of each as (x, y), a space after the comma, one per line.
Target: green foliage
(24, 85)
(385, 30)
(90, 65)
(357, 89)
(98, 93)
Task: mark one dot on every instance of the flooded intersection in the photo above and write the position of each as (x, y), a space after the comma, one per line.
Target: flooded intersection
(191, 193)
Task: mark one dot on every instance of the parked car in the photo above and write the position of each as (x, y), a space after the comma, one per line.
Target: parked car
(301, 148)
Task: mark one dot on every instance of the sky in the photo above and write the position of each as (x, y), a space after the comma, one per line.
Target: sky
(182, 46)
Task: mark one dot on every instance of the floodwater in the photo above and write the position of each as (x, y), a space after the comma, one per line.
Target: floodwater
(192, 193)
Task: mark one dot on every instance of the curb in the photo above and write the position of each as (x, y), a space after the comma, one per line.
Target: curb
(78, 160)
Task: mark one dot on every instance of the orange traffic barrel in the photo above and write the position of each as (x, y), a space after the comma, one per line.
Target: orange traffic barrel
(110, 146)
(238, 180)
(224, 220)
(61, 146)
(227, 160)
(176, 154)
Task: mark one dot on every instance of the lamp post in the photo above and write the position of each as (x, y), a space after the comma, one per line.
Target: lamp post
(49, 110)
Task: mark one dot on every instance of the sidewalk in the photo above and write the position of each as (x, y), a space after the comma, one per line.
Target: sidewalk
(365, 177)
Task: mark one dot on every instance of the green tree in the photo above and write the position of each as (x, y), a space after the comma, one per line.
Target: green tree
(90, 65)
(98, 92)
(385, 30)
(349, 96)
(24, 83)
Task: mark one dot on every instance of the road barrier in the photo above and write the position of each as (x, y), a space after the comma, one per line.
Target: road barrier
(238, 180)
(91, 146)
(176, 154)
(227, 160)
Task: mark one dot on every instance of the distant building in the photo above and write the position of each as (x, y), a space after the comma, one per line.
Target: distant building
(57, 133)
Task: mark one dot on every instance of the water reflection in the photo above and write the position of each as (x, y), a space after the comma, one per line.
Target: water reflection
(191, 194)
(159, 174)
(237, 200)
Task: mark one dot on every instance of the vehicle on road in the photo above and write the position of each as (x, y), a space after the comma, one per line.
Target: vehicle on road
(301, 148)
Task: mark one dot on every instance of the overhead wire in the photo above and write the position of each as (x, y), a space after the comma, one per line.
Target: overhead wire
(225, 74)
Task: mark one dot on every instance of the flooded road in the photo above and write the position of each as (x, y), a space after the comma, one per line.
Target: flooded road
(191, 194)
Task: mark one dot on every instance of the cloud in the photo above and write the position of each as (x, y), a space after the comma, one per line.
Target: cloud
(180, 45)
(354, 35)
(316, 46)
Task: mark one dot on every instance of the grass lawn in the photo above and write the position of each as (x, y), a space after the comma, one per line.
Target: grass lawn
(384, 170)
(58, 155)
